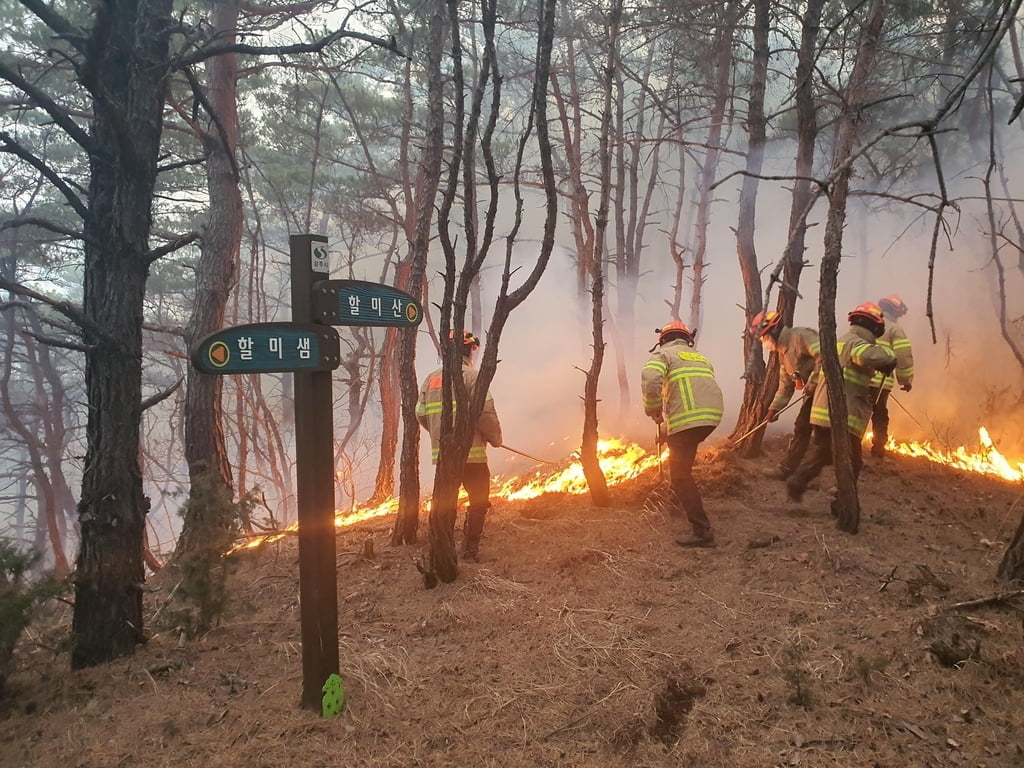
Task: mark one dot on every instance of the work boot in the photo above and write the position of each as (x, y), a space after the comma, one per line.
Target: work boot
(474, 528)
(778, 473)
(794, 490)
(704, 539)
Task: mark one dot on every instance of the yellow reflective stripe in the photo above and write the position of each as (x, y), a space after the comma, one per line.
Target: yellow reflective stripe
(856, 377)
(656, 365)
(652, 402)
(430, 409)
(477, 452)
(900, 344)
(421, 409)
(434, 453)
(689, 417)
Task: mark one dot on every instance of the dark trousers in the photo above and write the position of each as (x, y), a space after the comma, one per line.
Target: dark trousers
(476, 479)
(801, 438)
(820, 457)
(682, 450)
(879, 419)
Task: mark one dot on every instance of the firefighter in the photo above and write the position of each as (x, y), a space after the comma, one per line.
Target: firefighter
(893, 308)
(476, 477)
(798, 351)
(678, 387)
(860, 356)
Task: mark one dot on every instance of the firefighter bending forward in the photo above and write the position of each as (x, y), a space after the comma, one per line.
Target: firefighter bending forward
(678, 387)
(476, 476)
(860, 355)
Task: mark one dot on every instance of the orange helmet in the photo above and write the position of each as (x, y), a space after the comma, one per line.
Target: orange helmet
(867, 311)
(764, 322)
(468, 339)
(673, 330)
(893, 305)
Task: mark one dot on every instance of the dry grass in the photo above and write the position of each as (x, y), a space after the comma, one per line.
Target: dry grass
(587, 638)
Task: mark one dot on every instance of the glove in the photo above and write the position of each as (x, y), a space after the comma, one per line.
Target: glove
(773, 415)
(657, 417)
(887, 367)
(907, 387)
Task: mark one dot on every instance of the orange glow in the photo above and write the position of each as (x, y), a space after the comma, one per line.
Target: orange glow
(622, 461)
(619, 461)
(986, 461)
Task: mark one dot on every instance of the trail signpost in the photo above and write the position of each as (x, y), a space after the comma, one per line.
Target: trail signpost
(268, 348)
(309, 347)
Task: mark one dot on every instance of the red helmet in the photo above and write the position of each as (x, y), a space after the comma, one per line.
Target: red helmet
(468, 339)
(867, 311)
(671, 330)
(764, 322)
(893, 305)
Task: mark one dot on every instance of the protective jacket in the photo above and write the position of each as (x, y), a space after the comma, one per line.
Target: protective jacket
(799, 351)
(428, 414)
(895, 338)
(679, 383)
(860, 356)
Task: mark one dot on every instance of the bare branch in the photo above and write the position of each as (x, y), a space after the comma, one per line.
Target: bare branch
(53, 109)
(152, 400)
(64, 29)
(179, 242)
(11, 146)
(32, 221)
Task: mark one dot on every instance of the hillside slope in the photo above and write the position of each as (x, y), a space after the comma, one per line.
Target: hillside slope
(586, 637)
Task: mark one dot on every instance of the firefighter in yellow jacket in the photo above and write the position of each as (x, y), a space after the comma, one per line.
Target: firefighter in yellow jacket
(895, 338)
(476, 476)
(679, 388)
(860, 356)
(799, 351)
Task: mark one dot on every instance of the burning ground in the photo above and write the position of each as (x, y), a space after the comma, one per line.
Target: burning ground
(587, 638)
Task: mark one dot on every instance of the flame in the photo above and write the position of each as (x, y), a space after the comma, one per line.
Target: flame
(986, 461)
(622, 461)
(619, 461)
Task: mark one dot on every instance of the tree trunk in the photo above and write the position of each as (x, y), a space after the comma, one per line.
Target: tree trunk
(216, 275)
(849, 122)
(588, 450)
(722, 93)
(126, 72)
(407, 520)
(755, 395)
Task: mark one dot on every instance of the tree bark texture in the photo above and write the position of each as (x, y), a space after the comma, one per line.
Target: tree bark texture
(756, 396)
(126, 72)
(407, 520)
(216, 275)
(849, 123)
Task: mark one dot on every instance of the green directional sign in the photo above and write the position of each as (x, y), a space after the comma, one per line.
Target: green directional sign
(358, 302)
(268, 348)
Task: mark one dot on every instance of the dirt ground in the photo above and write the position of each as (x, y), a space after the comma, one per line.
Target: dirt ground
(586, 637)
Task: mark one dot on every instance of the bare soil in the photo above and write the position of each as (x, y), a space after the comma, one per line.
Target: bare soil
(586, 637)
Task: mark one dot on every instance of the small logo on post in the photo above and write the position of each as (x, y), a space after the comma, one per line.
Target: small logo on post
(320, 261)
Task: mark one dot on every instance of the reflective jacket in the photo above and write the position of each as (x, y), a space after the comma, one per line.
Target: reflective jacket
(799, 351)
(428, 414)
(860, 356)
(679, 382)
(897, 341)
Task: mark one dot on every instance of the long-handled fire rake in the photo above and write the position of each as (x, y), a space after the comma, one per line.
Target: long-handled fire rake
(662, 498)
(744, 436)
(532, 458)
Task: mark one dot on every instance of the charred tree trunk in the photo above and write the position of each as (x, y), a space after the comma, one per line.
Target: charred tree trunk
(407, 520)
(216, 275)
(588, 449)
(849, 122)
(126, 72)
(756, 396)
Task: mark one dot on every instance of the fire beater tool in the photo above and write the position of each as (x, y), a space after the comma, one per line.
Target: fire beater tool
(533, 458)
(743, 437)
(904, 409)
